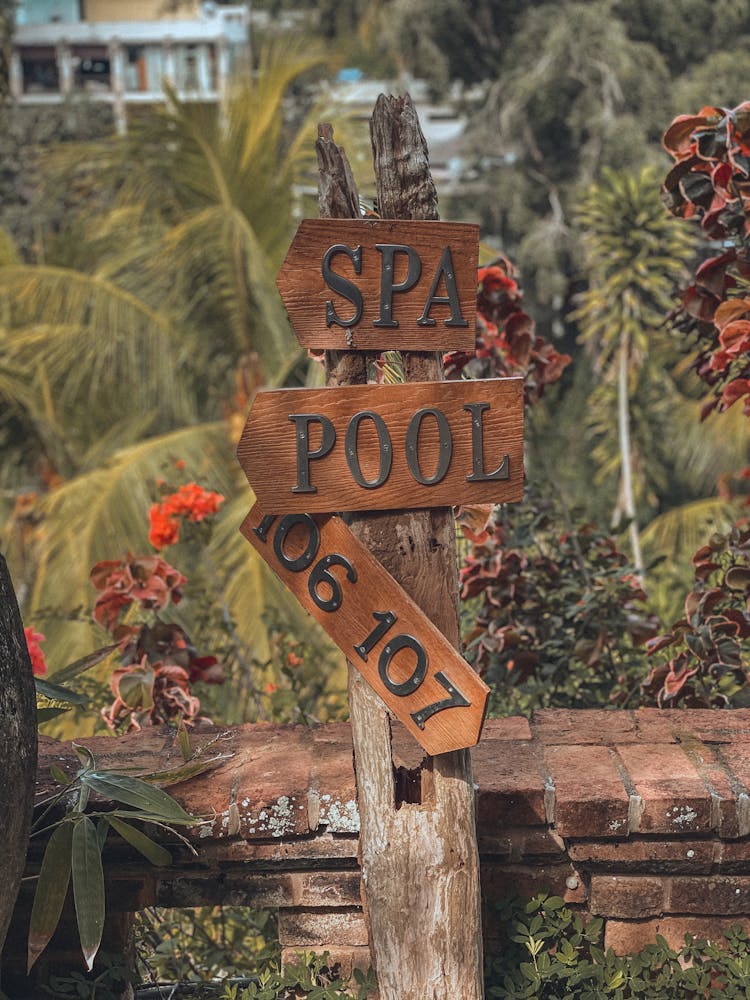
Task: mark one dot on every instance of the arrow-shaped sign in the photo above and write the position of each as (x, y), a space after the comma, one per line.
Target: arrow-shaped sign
(379, 285)
(423, 680)
(385, 447)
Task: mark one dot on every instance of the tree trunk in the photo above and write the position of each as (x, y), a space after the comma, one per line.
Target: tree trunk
(623, 423)
(418, 850)
(18, 748)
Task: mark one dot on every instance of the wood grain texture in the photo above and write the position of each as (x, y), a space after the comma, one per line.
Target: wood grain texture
(425, 911)
(270, 450)
(18, 748)
(366, 589)
(305, 292)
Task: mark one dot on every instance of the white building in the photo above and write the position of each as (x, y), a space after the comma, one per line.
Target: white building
(122, 51)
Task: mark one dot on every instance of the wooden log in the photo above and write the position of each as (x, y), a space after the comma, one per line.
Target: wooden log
(420, 864)
(18, 748)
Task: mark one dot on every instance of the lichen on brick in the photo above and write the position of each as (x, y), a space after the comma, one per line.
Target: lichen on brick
(339, 817)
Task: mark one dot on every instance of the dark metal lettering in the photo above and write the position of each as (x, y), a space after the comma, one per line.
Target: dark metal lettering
(264, 527)
(454, 700)
(412, 446)
(386, 620)
(311, 549)
(447, 272)
(321, 574)
(342, 286)
(385, 449)
(387, 272)
(478, 474)
(410, 685)
(302, 423)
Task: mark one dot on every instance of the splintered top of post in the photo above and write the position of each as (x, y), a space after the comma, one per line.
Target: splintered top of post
(379, 285)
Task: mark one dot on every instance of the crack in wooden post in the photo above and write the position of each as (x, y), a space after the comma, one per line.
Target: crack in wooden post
(420, 864)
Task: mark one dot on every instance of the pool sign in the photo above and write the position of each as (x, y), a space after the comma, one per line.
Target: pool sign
(385, 447)
(422, 679)
(379, 285)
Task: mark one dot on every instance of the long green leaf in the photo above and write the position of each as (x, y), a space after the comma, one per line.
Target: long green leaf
(154, 852)
(189, 770)
(138, 794)
(88, 887)
(51, 890)
(83, 664)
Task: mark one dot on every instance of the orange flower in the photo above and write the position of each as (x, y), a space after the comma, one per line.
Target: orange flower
(164, 530)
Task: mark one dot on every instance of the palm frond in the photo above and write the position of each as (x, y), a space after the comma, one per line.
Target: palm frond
(684, 529)
(94, 339)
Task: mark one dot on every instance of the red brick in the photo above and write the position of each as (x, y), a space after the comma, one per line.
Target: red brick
(322, 846)
(736, 757)
(713, 772)
(708, 724)
(648, 856)
(675, 800)
(515, 727)
(714, 894)
(631, 936)
(321, 929)
(630, 896)
(590, 800)
(269, 782)
(332, 799)
(735, 854)
(499, 882)
(559, 726)
(511, 785)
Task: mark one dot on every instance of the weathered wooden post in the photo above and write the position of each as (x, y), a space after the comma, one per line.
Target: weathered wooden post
(357, 288)
(18, 748)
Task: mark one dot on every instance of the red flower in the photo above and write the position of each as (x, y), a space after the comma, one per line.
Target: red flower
(190, 501)
(164, 530)
(38, 663)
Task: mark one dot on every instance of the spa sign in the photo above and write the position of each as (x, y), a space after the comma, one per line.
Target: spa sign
(379, 285)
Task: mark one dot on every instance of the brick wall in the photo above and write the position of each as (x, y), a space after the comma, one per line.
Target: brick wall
(640, 817)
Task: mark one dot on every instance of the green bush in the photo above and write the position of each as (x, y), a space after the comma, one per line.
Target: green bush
(548, 951)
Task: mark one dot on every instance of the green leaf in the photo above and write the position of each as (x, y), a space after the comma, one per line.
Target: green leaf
(84, 755)
(83, 664)
(59, 775)
(178, 774)
(154, 852)
(51, 889)
(57, 693)
(45, 714)
(88, 888)
(138, 794)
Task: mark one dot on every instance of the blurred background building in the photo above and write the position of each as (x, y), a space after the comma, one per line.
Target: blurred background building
(122, 51)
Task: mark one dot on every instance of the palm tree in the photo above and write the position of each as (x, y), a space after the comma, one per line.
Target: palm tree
(634, 256)
(130, 359)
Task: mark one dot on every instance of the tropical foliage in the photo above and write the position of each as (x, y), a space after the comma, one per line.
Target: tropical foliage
(179, 273)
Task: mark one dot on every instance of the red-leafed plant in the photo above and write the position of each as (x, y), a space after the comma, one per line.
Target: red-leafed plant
(703, 656)
(507, 342)
(702, 660)
(710, 181)
(158, 663)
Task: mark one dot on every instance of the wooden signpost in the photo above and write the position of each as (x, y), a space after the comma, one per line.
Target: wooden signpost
(382, 581)
(422, 679)
(377, 285)
(386, 447)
